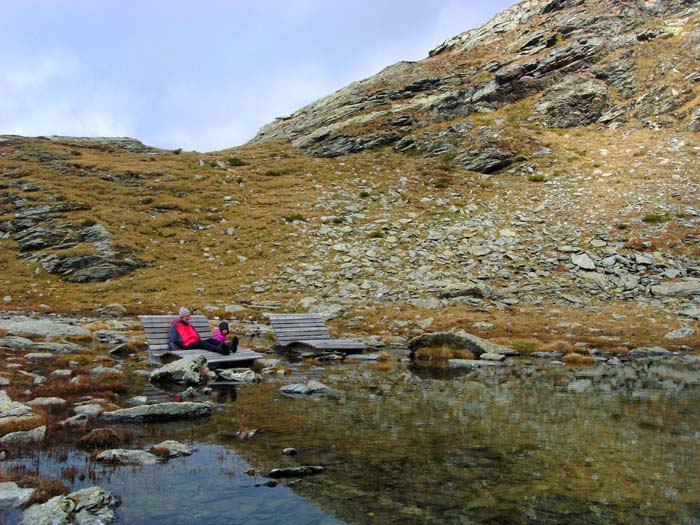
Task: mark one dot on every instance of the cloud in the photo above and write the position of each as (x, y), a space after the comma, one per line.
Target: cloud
(54, 94)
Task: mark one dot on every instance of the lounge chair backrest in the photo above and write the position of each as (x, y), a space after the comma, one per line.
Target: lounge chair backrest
(157, 327)
(296, 327)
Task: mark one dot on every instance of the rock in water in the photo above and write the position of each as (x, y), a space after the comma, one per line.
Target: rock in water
(157, 412)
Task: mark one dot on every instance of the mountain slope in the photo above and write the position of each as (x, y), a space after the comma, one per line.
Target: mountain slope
(535, 179)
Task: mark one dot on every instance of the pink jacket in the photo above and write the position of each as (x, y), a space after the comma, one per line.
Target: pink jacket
(219, 336)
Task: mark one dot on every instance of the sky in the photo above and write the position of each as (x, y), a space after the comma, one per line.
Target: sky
(201, 75)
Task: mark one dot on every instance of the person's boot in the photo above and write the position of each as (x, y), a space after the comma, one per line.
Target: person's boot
(223, 349)
(234, 344)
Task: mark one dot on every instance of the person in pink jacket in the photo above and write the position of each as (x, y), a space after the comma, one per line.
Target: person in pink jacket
(221, 336)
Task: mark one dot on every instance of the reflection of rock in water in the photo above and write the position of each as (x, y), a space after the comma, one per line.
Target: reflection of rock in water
(220, 392)
(158, 394)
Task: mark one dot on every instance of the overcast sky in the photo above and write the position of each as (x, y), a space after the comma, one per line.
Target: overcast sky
(201, 74)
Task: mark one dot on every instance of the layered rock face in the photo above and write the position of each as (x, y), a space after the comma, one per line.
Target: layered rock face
(569, 63)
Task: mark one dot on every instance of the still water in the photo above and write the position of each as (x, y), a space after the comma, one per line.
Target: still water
(514, 445)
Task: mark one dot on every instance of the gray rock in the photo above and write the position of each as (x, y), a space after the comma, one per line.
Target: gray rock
(12, 495)
(43, 326)
(89, 506)
(105, 371)
(579, 386)
(583, 261)
(460, 340)
(680, 333)
(642, 352)
(238, 375)
(9, 408)
(46, 401)
(469, 288)
(23, 438)
(684, 288)
(576, 101)
(471, 363)
(157, 412)
(547, 355)
(488, 356)
(123, 456)
(39, 355)
(110, 337)
(175, 448)
(21, 343)
(301, 389)
(187, 371)
(89, 410)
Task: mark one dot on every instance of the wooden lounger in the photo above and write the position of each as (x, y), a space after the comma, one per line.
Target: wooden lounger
(309, 330)
(157, 327)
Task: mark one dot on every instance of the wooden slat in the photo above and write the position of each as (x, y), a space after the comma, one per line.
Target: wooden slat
(309, 330)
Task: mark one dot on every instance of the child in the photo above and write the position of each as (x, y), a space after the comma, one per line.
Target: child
(221, 336)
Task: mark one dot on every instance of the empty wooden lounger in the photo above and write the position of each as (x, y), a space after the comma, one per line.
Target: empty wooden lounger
(157, 327)
(309, 330)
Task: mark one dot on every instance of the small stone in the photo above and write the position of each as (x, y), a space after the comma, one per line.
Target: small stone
(680, 333)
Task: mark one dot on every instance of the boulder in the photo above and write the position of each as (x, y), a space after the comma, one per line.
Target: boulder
(460, 340)
(22, 438)
(190, 370)
(20, 343)
(122, 456)
(680, 333)
(9, 408)
(157, 412)
(46, 401)
(104, 371)
(487, 160)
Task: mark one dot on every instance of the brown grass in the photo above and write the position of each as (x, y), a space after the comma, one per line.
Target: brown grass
(380, 367)
(45, 488)
(578, 359)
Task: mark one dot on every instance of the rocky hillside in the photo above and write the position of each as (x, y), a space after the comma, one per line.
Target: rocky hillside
(557, 63)
(535, 179)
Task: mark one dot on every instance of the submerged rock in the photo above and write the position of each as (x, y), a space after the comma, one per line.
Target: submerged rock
(173, 448)
(290, 472)
(157, 412)
(122, 456)
(471, 363)
(301, 389)
(11, 495)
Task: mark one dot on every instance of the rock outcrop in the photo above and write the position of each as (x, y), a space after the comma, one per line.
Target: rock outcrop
(572, 63)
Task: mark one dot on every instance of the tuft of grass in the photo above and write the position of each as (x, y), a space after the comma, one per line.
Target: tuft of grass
(623, 226)
(536, 178)
(578, 359)
(654, 218)
(376, 234)
(364, 194)
(235, 161)
(442, 182)
(294, 217)
(273, 173)
(177, 151)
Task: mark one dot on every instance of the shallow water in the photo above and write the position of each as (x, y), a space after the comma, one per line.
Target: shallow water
(404, 446)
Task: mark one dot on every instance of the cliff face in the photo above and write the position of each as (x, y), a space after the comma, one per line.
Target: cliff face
(552, 63)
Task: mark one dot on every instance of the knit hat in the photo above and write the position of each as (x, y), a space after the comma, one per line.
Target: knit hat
(223, 325)
(184, 312)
